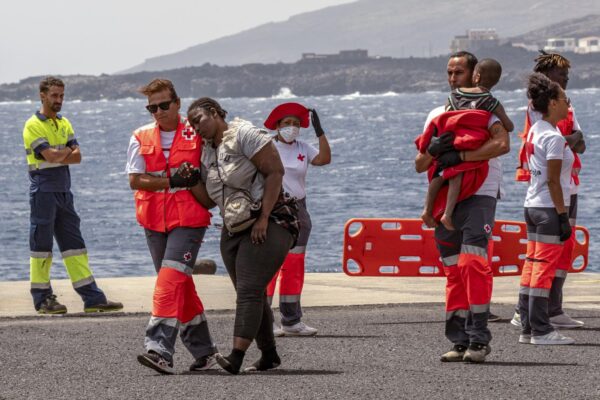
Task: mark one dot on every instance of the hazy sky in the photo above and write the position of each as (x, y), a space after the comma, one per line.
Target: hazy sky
(105, 36)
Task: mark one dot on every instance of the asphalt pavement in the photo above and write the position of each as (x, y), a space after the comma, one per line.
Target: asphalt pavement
(361, 352)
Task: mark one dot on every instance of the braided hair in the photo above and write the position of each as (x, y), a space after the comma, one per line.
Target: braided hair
(545, 62)
(206, 103)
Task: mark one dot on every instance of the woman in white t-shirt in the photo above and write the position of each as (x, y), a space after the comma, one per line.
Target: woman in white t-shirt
(550, 161)
(296, 155)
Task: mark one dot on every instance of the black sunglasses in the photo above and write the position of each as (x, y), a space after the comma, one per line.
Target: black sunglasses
(165, 105)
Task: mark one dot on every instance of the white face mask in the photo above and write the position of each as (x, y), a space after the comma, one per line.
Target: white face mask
(289, 133)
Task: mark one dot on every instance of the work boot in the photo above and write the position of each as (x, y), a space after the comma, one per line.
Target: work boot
(51, 306)
(155, 361)
(455, 355)
(565, 321)
(552, 338)
(299, 329)
(476, 352)
(203, 363)
(109, 306)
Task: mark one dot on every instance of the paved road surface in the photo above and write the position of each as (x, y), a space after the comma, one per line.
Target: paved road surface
(361, 352)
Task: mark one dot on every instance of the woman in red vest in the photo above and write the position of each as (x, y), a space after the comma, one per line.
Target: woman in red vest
(163, 161)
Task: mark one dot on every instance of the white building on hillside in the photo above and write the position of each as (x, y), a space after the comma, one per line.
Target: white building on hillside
(590, 44)
(474, 40)
(561, 44)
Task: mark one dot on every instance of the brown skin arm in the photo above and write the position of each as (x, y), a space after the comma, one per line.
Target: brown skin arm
(74, 157)
(497, 145)
(147, 182)
(324, 156)
(56, 155)
(556, 193)
(501, 114)
(423, 162)
(201, 195)
(576, 142)
(269, 164)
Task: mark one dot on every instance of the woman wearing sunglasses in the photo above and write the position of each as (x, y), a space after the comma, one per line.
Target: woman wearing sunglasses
(296, 155)
(162, 165)
(550, 161)
(238, 159)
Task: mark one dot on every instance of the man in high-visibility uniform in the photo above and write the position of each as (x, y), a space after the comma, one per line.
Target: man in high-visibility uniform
(51, 146)
(466, 251)
(163, 160)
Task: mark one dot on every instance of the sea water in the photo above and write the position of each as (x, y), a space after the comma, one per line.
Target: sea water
(371, 174)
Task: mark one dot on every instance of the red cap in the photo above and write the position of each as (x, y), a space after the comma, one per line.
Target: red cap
(285, 110)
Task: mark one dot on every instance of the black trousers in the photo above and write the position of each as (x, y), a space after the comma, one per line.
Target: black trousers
(251, 268)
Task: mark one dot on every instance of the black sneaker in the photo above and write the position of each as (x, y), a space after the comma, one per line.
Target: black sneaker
(203, 363)
(267, 361)
(109, 306)
(231, 363)
(476, 352)
(156, 362)
(51, 306)
(493, 318)
(457, 354)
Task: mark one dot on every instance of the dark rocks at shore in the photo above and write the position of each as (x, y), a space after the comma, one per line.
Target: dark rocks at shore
(307, 78)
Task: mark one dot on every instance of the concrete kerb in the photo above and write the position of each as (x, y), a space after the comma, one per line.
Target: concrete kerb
(320, 289)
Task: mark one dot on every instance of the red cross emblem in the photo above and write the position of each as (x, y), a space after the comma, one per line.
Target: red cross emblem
(301, 157)
(188, 133)
(187, 256)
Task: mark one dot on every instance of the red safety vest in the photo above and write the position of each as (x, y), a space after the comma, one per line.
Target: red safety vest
(164, 210)
(566, 128)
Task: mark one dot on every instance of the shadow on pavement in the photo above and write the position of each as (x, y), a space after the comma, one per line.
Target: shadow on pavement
(405, 323)
(273, 372)
(331, 337)
(527, 364)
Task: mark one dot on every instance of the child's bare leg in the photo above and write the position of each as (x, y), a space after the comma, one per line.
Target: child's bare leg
(434, 187)
(453, 192)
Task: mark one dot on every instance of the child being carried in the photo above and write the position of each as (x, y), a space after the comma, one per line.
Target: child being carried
(486, 75)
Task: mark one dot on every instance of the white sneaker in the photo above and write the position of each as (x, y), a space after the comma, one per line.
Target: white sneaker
(299, 329)
(516, 319)
(552, 338)
(525, 338)
(277, 331)
(564, 321)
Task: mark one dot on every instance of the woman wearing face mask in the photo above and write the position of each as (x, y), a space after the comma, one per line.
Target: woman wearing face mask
(296, 155)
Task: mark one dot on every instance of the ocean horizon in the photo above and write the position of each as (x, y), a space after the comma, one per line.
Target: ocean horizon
(371, 174)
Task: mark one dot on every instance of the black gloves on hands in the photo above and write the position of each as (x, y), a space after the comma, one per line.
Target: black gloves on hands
(565, 227)
(449, 159)
(441, 144)
(316, 122)
(185, 176)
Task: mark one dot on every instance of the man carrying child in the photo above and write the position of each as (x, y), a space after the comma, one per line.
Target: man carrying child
(464, 251)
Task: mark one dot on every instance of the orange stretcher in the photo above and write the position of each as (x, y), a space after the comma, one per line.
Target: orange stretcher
(406, 247)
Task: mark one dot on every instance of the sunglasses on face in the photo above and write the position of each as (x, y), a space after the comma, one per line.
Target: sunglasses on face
(165, 105)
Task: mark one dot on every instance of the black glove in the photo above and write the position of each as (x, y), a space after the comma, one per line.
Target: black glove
(441, 144)
(565, 227)
(316, 122)
(185, 176)
(449, 159)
